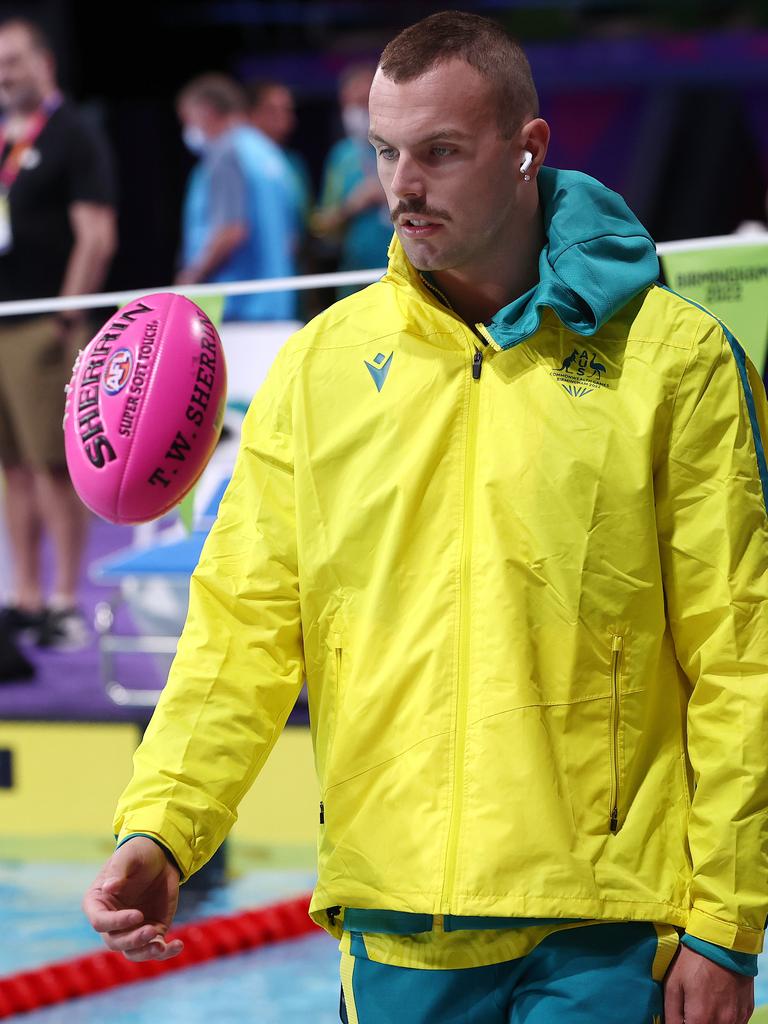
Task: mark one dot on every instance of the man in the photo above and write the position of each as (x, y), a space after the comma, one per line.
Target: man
(506, 510)
(57, 237)
(240, 208)
(271, 109)
(352, 206)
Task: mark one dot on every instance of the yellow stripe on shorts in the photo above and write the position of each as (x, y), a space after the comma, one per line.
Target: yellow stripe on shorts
(347, 968)
(668, 941)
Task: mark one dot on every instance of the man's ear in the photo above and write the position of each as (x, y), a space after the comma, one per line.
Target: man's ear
(534, 137)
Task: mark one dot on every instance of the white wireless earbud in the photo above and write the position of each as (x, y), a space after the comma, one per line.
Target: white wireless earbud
(527, 161)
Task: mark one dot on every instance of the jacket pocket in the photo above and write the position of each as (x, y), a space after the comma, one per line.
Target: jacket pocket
(617, 653)
(335, 642)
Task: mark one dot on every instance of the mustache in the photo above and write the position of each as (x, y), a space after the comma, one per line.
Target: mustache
(419, 207)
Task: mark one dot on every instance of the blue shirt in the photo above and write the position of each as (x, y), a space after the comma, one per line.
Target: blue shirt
(367, 235)
(245, 178)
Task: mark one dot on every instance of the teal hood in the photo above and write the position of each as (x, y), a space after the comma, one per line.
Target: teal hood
(597, 257)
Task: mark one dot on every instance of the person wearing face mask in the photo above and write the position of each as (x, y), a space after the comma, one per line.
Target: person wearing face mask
(352, 205)
(240, 215)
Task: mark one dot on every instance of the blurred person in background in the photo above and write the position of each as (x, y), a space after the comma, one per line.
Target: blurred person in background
(240, 217)
(57, 237)
(272, 110)
(352, 203)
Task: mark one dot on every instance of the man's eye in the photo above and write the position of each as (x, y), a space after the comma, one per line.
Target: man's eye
(442, 150)
(387, 154)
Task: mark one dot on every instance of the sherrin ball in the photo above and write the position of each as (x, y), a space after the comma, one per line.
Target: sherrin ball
(144, 408)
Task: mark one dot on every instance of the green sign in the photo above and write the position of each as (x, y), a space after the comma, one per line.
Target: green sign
(731, 281)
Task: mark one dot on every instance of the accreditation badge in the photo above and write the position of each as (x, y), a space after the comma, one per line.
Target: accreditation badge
(6, 238)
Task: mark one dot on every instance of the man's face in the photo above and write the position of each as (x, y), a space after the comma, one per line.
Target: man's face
(451, 181)
(25, 71)
(194, 115)
(275, 114)
(354, 92)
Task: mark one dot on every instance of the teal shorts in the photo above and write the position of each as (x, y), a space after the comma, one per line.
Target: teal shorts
(605, 972)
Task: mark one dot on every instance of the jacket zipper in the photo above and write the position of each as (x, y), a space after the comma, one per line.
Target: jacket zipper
(616, 651)
(337, 654)
(464, 632)
(338, 671)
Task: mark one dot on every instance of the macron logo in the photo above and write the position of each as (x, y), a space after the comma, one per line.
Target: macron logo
(379, 369)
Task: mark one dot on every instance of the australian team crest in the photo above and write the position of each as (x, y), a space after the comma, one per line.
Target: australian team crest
(581, 373)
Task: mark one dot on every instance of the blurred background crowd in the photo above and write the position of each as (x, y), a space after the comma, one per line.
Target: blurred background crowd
(198, 142)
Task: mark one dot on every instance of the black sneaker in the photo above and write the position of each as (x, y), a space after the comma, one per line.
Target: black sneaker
(65, 629)
(14, 667)
(18, 622)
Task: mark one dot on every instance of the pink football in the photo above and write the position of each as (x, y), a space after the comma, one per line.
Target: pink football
(144, 408)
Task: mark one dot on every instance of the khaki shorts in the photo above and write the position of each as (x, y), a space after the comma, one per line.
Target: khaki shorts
(34, 367)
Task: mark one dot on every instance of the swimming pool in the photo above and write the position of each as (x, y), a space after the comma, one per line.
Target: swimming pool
(294, 982)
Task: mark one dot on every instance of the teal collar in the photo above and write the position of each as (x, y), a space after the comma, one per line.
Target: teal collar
(597, 257)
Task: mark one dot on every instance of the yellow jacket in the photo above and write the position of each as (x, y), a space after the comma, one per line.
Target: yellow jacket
(524, 568)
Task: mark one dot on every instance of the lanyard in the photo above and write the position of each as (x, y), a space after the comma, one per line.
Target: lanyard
(11, 166)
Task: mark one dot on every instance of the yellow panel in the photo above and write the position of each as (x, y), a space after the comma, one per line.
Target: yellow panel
(67, 777)
(282, 806)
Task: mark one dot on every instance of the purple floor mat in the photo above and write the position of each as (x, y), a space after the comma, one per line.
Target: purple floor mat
(68, 686)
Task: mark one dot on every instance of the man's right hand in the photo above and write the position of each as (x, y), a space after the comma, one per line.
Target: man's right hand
(133, 899)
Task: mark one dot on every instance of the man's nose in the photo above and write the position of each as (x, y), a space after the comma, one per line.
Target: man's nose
(407, 179)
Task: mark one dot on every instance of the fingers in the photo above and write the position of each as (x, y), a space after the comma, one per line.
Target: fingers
(105, 918)
(133, 900)
(145, 943)
(103, 911)
(158, 949)
(132, 938)
(673, 1002)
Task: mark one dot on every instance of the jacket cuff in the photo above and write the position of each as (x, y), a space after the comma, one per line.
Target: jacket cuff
(155, 824)
(741, 963)
(158, 842)
(724, 933)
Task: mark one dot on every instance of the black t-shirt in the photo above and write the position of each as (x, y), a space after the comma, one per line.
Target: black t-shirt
(74, 164)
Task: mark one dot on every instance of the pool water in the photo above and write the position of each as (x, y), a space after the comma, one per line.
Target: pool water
(294, 982)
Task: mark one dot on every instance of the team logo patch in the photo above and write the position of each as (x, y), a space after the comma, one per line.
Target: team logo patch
(379, 369)
(118, 371)
(581, 373)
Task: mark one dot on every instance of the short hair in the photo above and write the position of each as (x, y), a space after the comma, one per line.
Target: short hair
(479, 41)
(37, 35)
(257, 89)
(215, 90)
(357, 70)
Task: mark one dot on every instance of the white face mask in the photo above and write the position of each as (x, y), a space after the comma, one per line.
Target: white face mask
(355, 121)
(194, 138)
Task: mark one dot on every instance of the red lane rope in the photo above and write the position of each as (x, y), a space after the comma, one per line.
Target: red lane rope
(203, 940)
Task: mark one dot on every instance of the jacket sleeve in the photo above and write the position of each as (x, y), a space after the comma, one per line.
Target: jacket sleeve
(239, 664)
(711, 488)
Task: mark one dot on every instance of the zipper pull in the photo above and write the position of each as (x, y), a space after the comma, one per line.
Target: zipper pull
(614, 819)
(322, 813)
(477, 364)
(333, 913)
